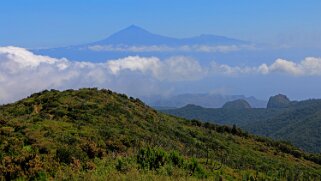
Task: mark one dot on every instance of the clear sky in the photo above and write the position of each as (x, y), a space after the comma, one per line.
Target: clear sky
(50, 23)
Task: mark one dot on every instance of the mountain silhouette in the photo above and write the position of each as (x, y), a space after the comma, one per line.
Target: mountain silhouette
(134, 40)
(135, 35)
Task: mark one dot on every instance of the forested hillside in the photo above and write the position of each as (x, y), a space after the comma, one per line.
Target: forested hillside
(239, 117)
(92, 134)
(298, 123)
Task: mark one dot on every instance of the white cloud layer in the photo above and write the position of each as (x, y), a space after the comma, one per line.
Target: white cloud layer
(173, 69)
(22, 72)
(310, 66)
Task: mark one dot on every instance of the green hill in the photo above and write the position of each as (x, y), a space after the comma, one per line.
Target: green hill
(278, 101)
(299, 122)
(237, 104)
(92, 134)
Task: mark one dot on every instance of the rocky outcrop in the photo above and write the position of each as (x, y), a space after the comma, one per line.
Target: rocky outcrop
(278, 101)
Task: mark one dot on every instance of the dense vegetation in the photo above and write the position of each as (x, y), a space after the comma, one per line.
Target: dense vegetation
(279, 101)
(92, 134)
(237, 104)
(239, 117)
(299, 123)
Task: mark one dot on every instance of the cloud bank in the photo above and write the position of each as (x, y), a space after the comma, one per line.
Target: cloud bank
(310, 66)
(22, 72)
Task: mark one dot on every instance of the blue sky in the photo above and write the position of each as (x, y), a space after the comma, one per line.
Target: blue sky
(39, 23)
(288, 61)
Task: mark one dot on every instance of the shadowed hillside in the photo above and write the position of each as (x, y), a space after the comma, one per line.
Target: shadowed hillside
(298, 122)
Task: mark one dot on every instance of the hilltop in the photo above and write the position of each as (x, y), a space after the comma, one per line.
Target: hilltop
(237, 104)
(278, 101)
(92, 134)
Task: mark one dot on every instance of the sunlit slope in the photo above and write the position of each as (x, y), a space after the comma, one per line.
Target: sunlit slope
(98, 135)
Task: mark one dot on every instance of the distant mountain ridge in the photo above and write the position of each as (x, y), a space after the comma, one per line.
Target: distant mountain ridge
(138, 41)
(298, 122)
(135, 35)
(204, 100)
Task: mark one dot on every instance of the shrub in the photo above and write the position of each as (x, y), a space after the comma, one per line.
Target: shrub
(196, 122)
(90, 149)
(68, 154)
(122, 165)
(176, 159)
(196, 169)
(152, 158)
(64, 155)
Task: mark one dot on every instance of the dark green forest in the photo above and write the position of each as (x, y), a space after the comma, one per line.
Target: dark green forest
(298, 122)
(92, 134)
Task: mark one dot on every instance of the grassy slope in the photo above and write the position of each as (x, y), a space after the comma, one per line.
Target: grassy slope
(98, 134)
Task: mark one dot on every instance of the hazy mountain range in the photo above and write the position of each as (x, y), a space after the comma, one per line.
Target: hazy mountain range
(135, 35)
(298, 122)
(135, 40)
(204, 100)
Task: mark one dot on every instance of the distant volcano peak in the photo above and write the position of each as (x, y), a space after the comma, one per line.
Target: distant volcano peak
(134, 28)
(136, 35)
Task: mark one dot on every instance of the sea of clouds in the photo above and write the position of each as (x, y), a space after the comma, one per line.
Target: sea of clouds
(23, 72)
